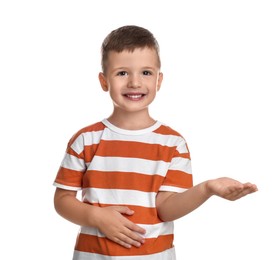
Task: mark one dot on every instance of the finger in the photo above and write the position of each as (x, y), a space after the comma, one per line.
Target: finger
(131, 238)
(239, 194)
(133, 227)
(121, 243)
(235, 189)
(124, 210)
(250, 186)
(249, 190)
(134, 238)
(126, 241)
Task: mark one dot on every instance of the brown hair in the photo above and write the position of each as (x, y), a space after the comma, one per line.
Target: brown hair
(128, 38)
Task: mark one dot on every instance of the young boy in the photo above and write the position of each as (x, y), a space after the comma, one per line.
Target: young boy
(134, 172)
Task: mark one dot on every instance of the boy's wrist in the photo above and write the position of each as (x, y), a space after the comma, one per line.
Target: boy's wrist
(207, 188)
(93, 216)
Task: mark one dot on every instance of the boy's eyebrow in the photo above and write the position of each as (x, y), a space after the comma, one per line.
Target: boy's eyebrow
(143, 68)
(119, 68)
(149, 67)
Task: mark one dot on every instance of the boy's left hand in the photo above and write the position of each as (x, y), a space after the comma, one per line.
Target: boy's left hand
(229, 189)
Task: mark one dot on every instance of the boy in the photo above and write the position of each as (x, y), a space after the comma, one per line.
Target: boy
(134, 172)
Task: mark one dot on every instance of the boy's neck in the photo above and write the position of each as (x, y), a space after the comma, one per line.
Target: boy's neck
(131, 121)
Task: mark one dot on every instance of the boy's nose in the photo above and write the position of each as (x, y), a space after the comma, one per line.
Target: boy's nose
(134, 82)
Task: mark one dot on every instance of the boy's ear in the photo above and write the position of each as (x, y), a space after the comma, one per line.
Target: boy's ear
(103, 82)
(159, 82)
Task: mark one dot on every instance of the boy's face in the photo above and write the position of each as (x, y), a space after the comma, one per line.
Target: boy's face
(132, 79)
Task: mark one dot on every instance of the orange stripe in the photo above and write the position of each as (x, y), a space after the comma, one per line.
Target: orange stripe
(69, 177)
(142, 215)
(166, 130)
(104, 246)
(89, 152)
(122, 180)
(131, 149)
(178, 179)
(135, 150)
(99, 126)
(183, 155)
(72, 152)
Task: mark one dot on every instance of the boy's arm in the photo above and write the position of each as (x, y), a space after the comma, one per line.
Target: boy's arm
(109, 220)
(171, 206)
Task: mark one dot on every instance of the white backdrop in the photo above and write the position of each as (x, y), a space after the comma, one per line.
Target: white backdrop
(219, 65)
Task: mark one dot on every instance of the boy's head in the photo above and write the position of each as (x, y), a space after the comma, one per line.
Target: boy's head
(128, 38)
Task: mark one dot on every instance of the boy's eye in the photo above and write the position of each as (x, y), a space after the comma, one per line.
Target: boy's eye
(146, 73)
(122, 73)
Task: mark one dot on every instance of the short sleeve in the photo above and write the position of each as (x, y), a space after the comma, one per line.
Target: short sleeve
(179, 175)
(70, 173)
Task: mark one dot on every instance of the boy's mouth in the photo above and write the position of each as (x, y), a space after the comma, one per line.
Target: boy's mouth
(134, 96)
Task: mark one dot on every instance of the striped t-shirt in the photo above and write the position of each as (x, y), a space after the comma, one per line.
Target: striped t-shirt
(113, 166)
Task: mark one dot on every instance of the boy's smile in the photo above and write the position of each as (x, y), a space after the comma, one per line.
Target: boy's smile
(132, 79)
(134, 96)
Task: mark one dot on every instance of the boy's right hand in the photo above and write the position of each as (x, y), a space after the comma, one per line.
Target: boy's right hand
(118, 228)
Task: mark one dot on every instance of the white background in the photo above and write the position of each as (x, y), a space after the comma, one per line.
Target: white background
(219, 65)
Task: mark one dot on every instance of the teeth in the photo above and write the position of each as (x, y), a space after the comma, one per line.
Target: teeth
(134, 96)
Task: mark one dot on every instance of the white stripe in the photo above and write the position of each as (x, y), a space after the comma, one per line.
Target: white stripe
(131, 132)
(87, 138)
(78, 144)
(120, 197)
(152, 231)
(172, 189)
(65, 187)
(121, 164)
(73, 163)
(93, 137)
(182, 147)
(166, 255)
(149, 138)
(181, 164)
